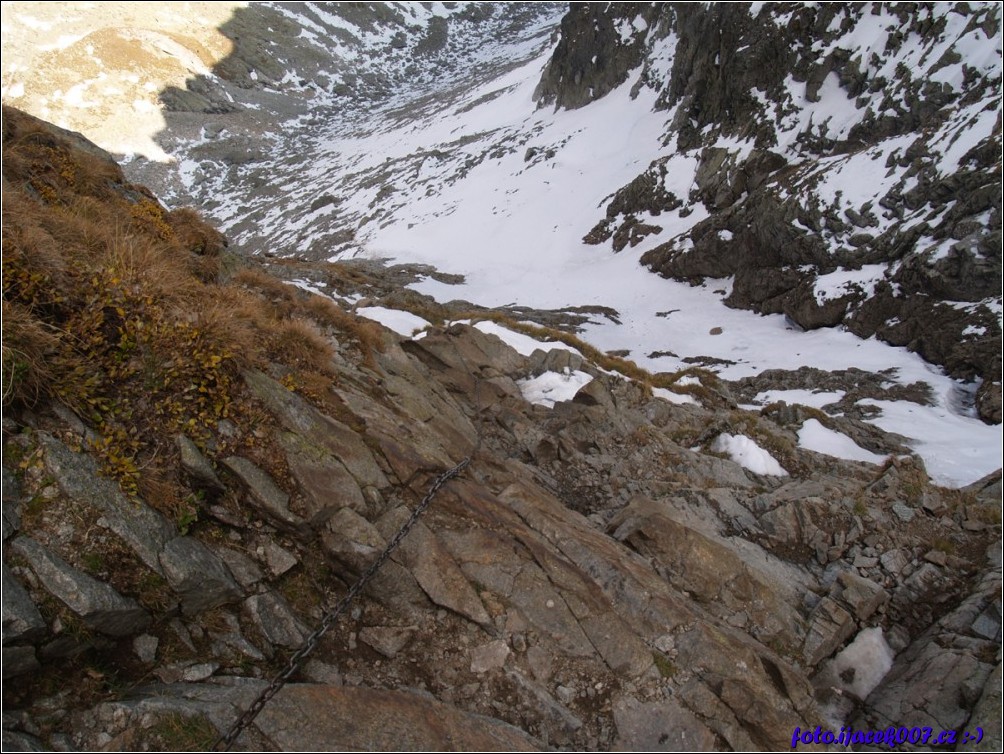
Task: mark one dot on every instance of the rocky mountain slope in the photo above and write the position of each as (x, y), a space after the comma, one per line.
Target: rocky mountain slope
(839, 165)
(200, 459)
(833, 169)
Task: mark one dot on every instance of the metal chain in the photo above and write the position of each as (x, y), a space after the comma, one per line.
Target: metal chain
(227, 740)
(308, 646)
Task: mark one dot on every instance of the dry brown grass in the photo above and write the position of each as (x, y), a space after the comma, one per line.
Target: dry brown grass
(300, 344)
(48, 165)
(193, 233)
(271, 287)
(366, 334)
(289, 304)
(27, 346)
(114, 307)
(141, 263)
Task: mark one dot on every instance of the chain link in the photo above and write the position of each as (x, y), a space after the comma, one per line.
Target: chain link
(227, 740)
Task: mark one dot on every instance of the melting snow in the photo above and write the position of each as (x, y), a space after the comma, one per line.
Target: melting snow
(551, 387)
(669, 395)
(814, 436)
(401, 322)
(956, 449)
(866, 660)
(841, 282)
(748, 454)
(523, 344)
(814, 399)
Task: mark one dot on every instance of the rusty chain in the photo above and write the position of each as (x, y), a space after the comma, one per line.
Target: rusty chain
(226, 741)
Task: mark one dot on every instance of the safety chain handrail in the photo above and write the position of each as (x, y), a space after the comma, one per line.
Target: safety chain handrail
(227, 740)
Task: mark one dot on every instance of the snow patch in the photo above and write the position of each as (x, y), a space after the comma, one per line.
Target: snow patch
(866, 660)
(678, 398)
(401, 322)
(522, 344)
(814, 399)
(815, 436)
(748, 454)
(841, 282)
(956, 448)
(552, 387)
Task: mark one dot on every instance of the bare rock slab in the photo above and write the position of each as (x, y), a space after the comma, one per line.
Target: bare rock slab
(22, 622)
(143, 529)
(325, 482)
(97, 604)
(434, 568)
(659, 726)
(490, 656)
(387, 640)
(264, 493)
(330, 718)
(278, 559)
(831, 627)
(272, 615)
(863, 596)
(302, 419)
(987, 713)
(557, 725)
(199, 576)
(197, 465)
(192, 570)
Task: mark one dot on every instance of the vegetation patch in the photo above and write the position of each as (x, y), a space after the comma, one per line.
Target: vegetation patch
(126, 313)
(666, 667)
(180, 732)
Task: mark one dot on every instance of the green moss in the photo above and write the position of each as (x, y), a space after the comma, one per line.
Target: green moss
(179, 732)
(941, 544)
(666, 667)
(93, 562)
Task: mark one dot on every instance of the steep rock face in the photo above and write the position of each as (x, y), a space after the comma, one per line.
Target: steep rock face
(933, 663)
(845, 159)
(597, 577)
(597, 49)
(684, 585)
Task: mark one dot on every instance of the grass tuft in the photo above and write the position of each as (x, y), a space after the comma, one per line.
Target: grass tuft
(115, 307)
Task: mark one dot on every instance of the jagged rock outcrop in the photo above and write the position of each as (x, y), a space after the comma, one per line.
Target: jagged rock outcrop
(695, 592)
(941, 675)
(595, 53)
